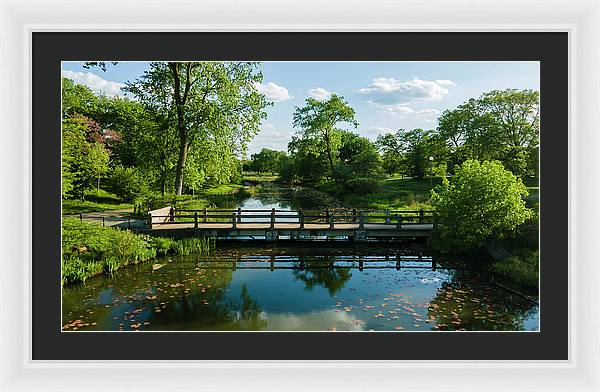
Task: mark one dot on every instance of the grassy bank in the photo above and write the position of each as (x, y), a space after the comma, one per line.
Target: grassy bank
(90, 250)
(393, 193)
(522, 268)
(95, 200)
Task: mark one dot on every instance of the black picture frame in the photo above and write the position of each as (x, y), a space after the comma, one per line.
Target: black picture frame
(549, 48)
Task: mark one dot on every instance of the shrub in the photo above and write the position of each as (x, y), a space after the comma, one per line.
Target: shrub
(360, 186)
(127, 183)
(482, 202)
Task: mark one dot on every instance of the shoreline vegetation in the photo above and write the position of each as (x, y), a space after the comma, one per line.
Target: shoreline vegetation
(89, 249)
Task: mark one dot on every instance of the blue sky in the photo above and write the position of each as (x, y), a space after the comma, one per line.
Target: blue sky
(385, 95)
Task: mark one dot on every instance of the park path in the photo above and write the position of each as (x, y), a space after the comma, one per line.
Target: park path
(113, 218)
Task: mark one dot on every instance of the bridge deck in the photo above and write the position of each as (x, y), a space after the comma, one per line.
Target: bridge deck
(293, 226)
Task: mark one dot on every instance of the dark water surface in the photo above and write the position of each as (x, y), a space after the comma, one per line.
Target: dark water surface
(298, 287)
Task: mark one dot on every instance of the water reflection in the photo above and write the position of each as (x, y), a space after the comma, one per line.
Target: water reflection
(296, 288)
(322, 273)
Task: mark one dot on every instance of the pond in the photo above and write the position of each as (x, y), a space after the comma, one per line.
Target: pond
(298, 286)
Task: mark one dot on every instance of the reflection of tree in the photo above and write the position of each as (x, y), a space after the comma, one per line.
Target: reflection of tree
(316, 273)
(270, 195)
(212, 310)
(466, 303)
(175, 297)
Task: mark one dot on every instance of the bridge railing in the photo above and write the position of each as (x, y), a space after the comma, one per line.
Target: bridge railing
(359, 218)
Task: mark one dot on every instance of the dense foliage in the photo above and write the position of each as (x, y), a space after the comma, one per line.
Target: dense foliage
(482, 201)
(266, 161)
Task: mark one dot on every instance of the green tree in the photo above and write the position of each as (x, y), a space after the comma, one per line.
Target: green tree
(209, 100)
(83, 161)
(420, 151)
(307, 163)
(358, 157)
(267, 160)
(500, 124)
(77, 99)
(318, 120)
(482, 202)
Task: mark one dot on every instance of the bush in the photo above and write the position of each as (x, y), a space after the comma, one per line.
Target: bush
(482, 202)
(128, 183)
(360, 186)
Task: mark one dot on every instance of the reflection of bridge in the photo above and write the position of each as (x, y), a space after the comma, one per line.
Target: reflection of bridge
(323, 262)
(273, 224)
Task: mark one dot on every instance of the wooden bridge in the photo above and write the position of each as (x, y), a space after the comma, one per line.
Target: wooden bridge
(274, 224)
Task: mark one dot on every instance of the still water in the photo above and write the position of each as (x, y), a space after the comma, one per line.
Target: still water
(298, 286)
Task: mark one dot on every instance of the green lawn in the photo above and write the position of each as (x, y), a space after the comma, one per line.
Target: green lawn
(96, 200)
(396, 193)
(263, 177)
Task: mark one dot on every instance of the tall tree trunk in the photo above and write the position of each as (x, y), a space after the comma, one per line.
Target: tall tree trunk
(183, 150)
(329, 156)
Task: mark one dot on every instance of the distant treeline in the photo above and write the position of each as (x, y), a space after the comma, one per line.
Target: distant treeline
(499, 125)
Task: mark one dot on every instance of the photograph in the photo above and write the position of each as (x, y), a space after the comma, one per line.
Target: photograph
(300, 196)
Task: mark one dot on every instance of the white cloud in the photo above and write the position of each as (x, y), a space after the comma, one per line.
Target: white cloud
(428, 112)
(445, 82)
(373, 132)
(389, 91)
(95, 83)
(320, 93)
(399, 109)
(273, 92)
(270, 137)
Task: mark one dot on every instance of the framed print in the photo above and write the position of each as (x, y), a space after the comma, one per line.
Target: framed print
(272, 200)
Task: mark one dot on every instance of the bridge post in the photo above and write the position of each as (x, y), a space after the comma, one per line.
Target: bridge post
(361, 221)
(272, 218)
(354, 215)
(195, 219)
(149, 220)
(172, 215)
(239, 213)
(398, 221)
(272, 259)
(388, 218)
(233, 221)
(421, 215)
(301, 218)
(204, 216)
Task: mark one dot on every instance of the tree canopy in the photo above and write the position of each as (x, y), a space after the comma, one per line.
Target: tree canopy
(318, 120)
